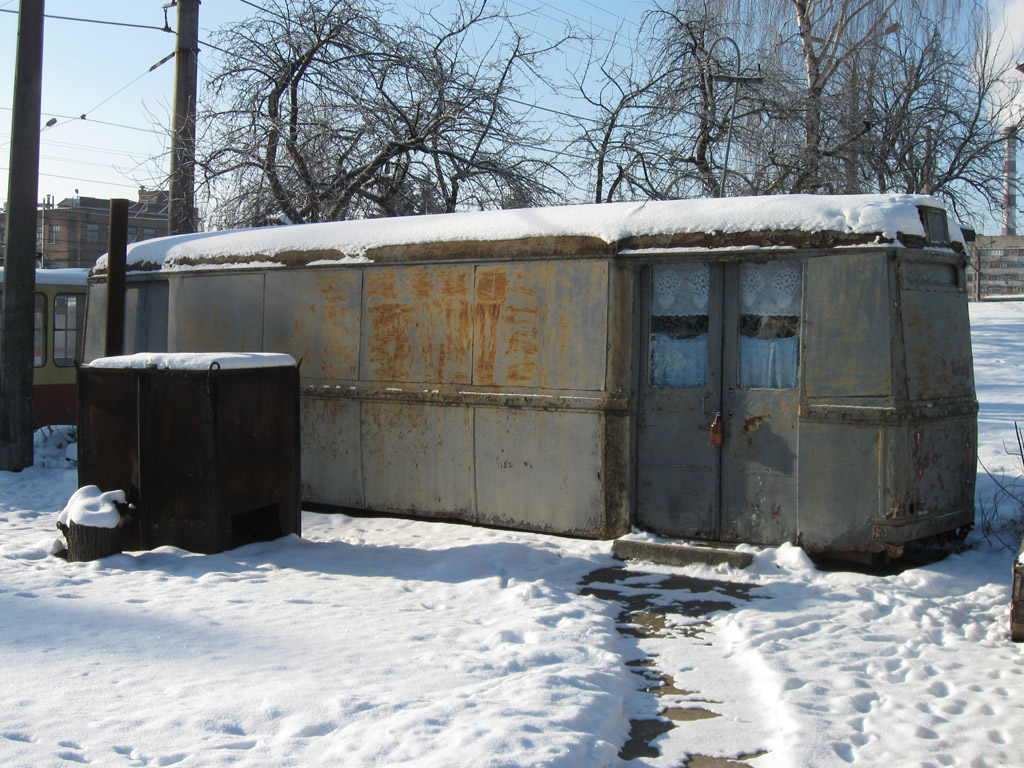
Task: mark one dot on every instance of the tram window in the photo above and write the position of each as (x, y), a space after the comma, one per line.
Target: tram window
(678, 340)
(39, 330)
(67, 308)
(769, 331)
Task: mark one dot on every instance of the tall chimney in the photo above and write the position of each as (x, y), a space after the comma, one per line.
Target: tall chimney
(1010, 184)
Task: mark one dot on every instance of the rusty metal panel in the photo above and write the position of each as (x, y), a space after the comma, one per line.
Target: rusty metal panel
(848, 341)
(331, 465)
(417, 324)
(575, 322)
(314, 315)
(937, 344)
(508, 319)
(95, 322)
(760, 467)
(417, 458)
(216, 313)
(540, 470)
(145, 316)
(541, 325)
(617, 475)
(941, 467)
(839, 485)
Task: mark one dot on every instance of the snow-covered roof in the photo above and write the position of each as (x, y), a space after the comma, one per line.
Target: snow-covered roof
(57, 276)
(868, 217)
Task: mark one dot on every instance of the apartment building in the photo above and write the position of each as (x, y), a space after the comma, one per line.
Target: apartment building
(997, 267)
(74, 232)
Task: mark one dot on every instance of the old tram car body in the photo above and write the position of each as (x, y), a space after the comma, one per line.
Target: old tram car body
(559, 369)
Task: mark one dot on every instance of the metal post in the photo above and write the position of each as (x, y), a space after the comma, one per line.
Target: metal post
(732, 111)
(117, 248)
(17, 337)
(183, 136)
(736, 79)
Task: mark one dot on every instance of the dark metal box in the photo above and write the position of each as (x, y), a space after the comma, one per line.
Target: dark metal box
(210, 457)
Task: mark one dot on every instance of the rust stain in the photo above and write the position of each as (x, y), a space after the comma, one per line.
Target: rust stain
(390, 343)
(491, 290)
(339, 326)
(753, 424)
(507, 322)
(455, 283)
(419, 324)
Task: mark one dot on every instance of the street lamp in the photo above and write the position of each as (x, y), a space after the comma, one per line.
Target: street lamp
(737, 79)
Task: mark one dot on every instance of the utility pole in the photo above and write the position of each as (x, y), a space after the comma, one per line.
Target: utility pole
(17, 336)
(183, 137)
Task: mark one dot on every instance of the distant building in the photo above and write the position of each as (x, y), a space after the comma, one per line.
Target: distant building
(73, 233)
(997, 267)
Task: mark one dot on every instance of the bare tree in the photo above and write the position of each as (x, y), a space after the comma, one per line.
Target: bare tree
(852, 96)
(946, 97)
(662, 119)
(323, 111)
(621, 145)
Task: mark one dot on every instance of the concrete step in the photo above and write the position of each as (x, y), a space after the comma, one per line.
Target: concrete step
(680, 553)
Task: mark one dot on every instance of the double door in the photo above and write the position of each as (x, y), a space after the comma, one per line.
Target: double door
(719, 340)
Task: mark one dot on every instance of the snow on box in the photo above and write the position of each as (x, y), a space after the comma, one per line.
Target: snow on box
(885, 215)
(196, 361)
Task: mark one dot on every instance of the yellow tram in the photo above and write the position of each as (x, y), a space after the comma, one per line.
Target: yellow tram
(59, 312)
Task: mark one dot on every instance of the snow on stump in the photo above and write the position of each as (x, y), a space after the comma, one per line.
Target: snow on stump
(92, 523)
(1017, 599)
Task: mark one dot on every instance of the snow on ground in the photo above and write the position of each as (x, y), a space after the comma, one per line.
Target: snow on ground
(384, 642)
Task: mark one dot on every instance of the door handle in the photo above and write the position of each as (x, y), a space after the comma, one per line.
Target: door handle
(716, 431)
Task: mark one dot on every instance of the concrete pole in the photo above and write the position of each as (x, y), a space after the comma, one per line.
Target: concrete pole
(17, 337)
(183, 138)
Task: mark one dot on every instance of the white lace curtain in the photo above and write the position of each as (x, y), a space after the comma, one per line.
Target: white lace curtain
(769, 346)
(679, 321)
(769, 334)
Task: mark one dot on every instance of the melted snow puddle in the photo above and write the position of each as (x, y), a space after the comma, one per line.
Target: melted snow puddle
(668, 607)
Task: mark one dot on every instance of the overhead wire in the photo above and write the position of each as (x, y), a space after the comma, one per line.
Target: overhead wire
(99, 122)
(99, 21)
(87, 181)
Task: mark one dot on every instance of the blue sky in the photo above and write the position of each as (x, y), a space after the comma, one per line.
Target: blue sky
(102, 71)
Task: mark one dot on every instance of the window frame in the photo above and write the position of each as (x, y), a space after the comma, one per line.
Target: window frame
(39, 332)
(75, 330)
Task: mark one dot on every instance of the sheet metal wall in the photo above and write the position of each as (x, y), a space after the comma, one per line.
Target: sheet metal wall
(506, 392)
(455, 390)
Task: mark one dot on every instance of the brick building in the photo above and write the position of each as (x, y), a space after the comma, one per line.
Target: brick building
(73, 232)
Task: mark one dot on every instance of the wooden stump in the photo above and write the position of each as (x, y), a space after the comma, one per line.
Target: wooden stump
(1017, 600)
(86, 542)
